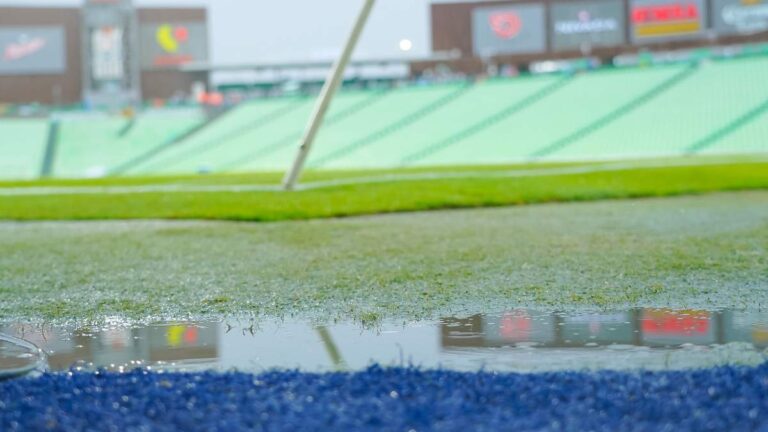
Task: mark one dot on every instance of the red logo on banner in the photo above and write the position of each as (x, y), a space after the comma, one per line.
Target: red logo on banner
(665, 13)
(23, 48)
(506, 25)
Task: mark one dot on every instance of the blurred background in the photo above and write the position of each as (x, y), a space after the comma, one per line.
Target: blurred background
(119, 87)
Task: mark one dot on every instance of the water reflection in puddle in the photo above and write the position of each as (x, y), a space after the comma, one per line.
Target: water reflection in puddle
(518, 340)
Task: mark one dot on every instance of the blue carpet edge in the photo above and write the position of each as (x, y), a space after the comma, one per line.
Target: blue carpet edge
(729, 398)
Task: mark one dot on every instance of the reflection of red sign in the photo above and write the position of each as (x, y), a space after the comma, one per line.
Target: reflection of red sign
(23, 48)
(516, 326)
(675, 323)
(506, 25)
(666, 19)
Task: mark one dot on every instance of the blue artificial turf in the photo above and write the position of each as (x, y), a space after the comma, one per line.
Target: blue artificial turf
(399, 399)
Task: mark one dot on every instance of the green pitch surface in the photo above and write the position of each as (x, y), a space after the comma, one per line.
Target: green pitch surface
(346, 193)
(704, 251)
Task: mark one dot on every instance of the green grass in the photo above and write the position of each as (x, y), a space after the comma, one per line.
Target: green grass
(707, 251)
(696, 251)
(390, 196)
(274, 177)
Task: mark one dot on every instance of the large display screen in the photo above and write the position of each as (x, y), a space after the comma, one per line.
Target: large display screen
(740, 16)
(516, 29)
(107, 60)
(173, 44)
(32, 50)
(585, 24)
(665, 20)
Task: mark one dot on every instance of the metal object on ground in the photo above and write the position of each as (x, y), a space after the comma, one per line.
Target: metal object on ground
(326, 96)
(19, 357)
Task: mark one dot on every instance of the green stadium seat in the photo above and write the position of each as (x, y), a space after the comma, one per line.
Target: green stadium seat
(712, 98)
(91, 146)
(574, 106)
(714, 108)
(22, 148)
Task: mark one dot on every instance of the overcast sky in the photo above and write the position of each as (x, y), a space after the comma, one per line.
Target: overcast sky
(297, 30)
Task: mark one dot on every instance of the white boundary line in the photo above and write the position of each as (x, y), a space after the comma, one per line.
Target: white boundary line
(324, 184)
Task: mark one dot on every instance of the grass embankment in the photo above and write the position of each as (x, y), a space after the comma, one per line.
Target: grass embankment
(376, 197)
(689, 252)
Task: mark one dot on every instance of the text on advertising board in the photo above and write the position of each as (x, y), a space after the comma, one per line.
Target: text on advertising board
(582, 25)
(24, 47)
(32, 50)
(586, 24)
(740, 16)
(666, 19)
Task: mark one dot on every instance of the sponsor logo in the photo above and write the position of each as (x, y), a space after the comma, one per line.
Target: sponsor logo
(585, 23)
(506, 25)
(746, 16)
(24, 47)
(170, 38)
(670, 19)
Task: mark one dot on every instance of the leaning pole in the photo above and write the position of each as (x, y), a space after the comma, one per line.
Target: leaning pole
(326, 96)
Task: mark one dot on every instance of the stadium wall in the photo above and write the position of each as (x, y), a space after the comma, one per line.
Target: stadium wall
(29, 36)
(63, 87)
(453, 31)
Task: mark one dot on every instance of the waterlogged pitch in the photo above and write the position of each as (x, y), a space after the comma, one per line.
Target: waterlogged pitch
(707, 251)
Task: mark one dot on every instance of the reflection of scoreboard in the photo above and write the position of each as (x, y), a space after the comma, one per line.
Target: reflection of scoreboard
(640, 327)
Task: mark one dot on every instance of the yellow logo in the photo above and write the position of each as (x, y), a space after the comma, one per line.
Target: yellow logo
(169, 37)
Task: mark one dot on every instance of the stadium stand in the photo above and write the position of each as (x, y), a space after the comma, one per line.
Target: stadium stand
(550, 118)
(716, 106)
(747, 134)
(716, 96)
(22, 148)
(93, 146)
(202, 151)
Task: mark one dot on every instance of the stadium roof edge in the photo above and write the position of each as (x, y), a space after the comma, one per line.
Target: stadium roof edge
(208, 67)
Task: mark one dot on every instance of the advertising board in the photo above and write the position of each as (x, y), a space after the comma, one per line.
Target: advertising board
(667, 20)
(32, 50)
(107, 61)
(173, 44)
(515, 29)
(586, 24)
(740, 16)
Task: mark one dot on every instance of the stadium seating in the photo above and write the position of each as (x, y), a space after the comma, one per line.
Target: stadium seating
(714, 107)
(714, 97)
(91, 146)
(22, 148)
(546, 121)
(260, 120)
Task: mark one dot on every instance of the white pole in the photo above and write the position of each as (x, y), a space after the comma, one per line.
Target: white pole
(326, 96)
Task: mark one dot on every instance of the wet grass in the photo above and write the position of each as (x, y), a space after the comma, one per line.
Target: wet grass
(708, 251)
(393, 196)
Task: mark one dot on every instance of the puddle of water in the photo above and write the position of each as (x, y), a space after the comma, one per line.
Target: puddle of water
(520, 340)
